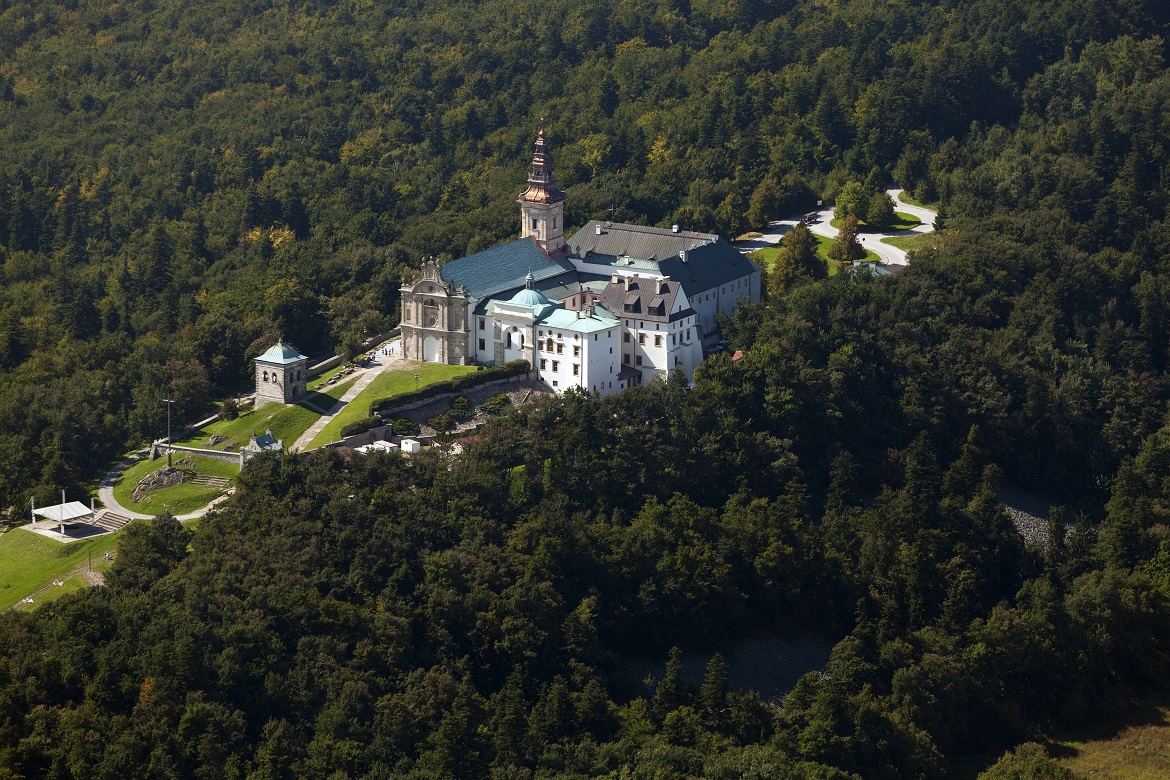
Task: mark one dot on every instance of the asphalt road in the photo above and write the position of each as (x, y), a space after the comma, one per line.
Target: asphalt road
(890, 255)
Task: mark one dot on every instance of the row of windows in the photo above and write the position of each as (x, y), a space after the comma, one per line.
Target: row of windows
(556, 366)
(296, 376)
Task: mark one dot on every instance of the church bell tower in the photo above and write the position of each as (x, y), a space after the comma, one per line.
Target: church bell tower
(542, 205)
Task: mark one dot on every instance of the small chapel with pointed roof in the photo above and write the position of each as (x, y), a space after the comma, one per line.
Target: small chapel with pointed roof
(613, 306)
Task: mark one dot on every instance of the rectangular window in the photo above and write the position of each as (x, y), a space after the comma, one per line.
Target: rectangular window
(576, 351)
(641, 338)
(637, 360)
(626, 337)
(576, 370)
(534, 223)
(481, 345)
(482, 323)
(556, 365)
(688, 333)
(554, 383)
(626, 359)
(560, 349)
(543, 364)
(672, 341)
(658, 341)
(406, 315)
(554, 222)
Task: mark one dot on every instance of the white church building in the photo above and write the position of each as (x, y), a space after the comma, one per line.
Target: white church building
(613, 306)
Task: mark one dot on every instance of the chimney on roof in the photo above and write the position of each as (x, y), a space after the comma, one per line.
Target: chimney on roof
(674, 228)
(683, 255)
(597, 228)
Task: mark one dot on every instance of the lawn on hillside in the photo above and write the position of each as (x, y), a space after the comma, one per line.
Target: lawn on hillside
(902, 221)
(319, 380)
(908, 243)
(1135, 748)
(767, 255)
(29, 561)
(179, 499)
(386, 385)
(287, 422)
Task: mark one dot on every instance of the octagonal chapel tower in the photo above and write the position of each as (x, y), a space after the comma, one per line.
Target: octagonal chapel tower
(542, 205)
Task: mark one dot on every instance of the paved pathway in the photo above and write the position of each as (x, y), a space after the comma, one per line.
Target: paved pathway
(365, 376)
(106, 492)
(890, 255)
(106, 489)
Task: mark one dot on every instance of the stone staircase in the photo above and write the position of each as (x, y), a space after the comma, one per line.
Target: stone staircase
(111, 521)
(219, 482)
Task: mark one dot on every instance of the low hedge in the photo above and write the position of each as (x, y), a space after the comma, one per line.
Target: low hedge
(361, 426)
(514, 368)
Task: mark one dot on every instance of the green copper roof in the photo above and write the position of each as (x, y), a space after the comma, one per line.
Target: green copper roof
(581, 321)
(281, 354)
(529, 297)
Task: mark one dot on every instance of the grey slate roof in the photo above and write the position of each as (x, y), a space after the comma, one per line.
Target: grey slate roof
(708, 266)
(711, 261)
(642, 300)
(636, 241)
(504, 267)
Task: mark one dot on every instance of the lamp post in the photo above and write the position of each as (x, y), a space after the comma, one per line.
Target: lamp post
(416, 381)
(167, 432)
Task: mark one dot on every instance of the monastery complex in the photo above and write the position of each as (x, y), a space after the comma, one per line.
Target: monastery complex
(613, 306)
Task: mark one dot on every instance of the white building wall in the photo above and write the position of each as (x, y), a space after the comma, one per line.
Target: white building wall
(601, 361)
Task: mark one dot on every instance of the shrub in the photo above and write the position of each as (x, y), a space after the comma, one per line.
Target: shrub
(497, 404)
(404, 427)
(441, 422)
(461, 408)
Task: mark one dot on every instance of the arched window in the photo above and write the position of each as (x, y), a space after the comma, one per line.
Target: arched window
(265, 376)
(520, 341)
(430, 302)
(508, 340)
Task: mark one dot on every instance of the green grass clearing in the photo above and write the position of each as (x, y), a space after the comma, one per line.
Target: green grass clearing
(386, 385)
(902, 221)
(320, 380)
(1135, 748)
(29, 561)
(179, 499)
(907, 197)
(908, 243)
(287, 422)
(767, 255)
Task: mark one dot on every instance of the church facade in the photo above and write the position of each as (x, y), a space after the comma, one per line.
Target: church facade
(612, 306)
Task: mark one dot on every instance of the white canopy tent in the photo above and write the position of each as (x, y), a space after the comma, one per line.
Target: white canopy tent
(66, 513)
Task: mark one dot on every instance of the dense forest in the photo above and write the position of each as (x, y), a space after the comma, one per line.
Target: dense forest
(180, 183)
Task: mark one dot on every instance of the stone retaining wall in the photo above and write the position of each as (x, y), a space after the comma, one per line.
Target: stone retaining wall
(160, 448)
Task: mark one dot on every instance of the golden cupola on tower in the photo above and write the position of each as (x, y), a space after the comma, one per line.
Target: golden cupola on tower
(542, 205)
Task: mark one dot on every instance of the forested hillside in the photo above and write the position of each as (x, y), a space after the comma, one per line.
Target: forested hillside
(181, 183)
